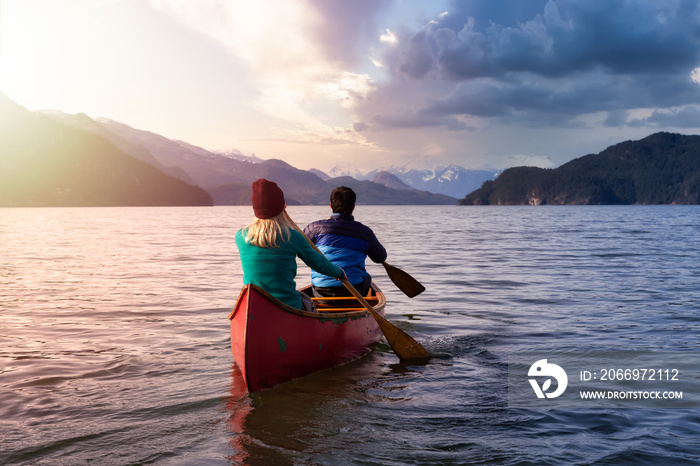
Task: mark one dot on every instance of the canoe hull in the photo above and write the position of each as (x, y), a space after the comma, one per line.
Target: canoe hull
(273, 343)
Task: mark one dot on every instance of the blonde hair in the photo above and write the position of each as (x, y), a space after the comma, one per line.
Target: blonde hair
(264, 232)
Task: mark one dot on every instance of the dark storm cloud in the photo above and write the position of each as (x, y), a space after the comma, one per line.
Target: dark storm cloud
(616, 118)
(550, 62)
(507, 13)
(407, 119)
(545, 101)
(687, 117)
(565, 37)
(422, 60)
(359, 126)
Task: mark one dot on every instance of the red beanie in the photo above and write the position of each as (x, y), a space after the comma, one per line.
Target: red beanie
(268, 199)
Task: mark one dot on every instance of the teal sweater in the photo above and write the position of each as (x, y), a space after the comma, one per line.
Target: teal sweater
(274, 269)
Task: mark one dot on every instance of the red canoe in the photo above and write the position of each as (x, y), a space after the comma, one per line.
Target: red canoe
(273, 343)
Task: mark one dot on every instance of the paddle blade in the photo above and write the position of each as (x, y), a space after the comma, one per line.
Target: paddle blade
(406, 283)
(405, 347)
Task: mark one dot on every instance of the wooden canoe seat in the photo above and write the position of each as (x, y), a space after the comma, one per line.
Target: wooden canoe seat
(343, 298)
(341, 303)
(339, 309)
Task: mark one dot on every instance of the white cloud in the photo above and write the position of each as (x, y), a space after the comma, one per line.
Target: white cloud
(523, 160)
(433, 149)
(268, 35)
(346, 88)
(376, 62)
(695, 75)
(388, 37)
(293, 77)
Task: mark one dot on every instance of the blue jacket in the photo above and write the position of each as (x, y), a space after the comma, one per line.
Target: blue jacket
(346, 243)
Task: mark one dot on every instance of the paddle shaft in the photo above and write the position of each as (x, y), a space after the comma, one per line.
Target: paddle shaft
(405, 347)
(360, 298)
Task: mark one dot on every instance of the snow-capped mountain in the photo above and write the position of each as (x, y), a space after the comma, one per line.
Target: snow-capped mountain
(453, 180)
(238, 155)
(348, 170)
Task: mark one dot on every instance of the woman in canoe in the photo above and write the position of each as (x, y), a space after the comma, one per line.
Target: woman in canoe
(269, 247)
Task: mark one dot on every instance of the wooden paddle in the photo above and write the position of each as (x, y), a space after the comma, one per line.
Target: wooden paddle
(406, 283)
(405, 347)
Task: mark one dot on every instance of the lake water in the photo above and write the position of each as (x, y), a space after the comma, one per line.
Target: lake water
(114, 339)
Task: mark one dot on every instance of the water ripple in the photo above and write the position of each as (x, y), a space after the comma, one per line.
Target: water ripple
(114, 339)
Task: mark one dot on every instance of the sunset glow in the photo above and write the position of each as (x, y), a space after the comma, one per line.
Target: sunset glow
(296, 80)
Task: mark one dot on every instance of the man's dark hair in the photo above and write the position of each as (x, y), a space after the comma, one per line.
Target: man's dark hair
(343, 200)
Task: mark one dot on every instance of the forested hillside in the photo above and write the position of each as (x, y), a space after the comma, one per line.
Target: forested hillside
(47, 163)
(663, 168)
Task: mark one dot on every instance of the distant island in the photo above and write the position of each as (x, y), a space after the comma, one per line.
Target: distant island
(663, 168)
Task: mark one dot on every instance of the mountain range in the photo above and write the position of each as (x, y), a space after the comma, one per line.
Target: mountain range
(663, 168)
(55, 159)
(47, 163)
(452, 180)
(220, 178)
(227, 177)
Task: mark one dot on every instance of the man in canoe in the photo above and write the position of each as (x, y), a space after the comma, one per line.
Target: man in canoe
(269, 247)
(347, 243)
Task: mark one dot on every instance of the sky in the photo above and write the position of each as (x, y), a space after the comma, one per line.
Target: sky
(485, 84)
